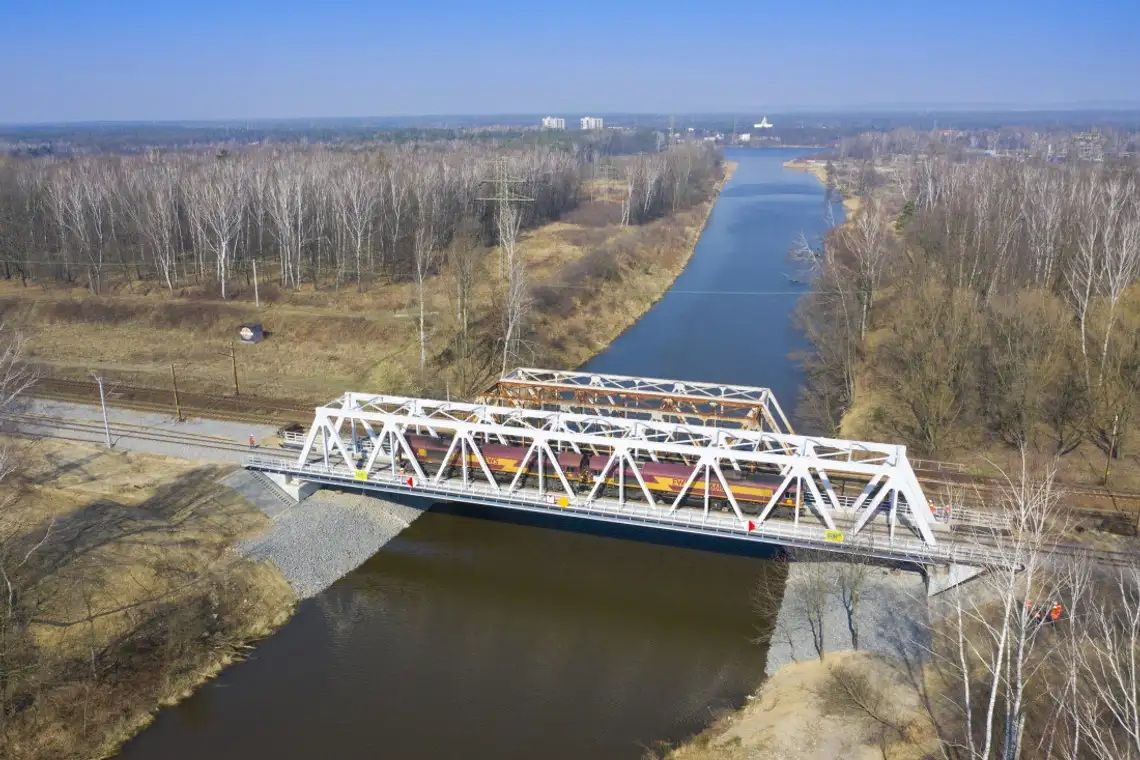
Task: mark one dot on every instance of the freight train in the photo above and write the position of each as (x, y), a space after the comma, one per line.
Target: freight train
(663, 479)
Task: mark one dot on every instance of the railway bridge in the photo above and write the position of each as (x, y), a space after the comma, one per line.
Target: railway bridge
(699, 458)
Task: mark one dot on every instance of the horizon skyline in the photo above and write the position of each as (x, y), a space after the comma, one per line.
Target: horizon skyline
(125, 61)
(901, 109)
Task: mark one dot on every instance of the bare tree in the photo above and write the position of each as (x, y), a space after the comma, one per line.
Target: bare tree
(464, 258)
(807, 597)
(357, 200)
(287, 191)
(851, 580)
(16, 549)
(867, 242)
(928, 364)
(1109, 652)
(426, 192)
(155, 211)
(516, 297)
(216, 200)
(984, 635)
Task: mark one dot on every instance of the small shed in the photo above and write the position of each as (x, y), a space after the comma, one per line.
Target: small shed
(251, 332)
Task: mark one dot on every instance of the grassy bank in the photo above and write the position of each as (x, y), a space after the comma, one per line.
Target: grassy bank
(133, 598)
(648, 263)
(851, 705)
(590, 278)
(818, 169)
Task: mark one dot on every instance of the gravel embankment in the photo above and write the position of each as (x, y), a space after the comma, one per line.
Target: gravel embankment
(317, 542)
(891, 615)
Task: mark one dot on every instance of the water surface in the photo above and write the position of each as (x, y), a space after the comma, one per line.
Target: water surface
(486, 634)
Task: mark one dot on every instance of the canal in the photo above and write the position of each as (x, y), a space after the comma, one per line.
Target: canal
(476, 635)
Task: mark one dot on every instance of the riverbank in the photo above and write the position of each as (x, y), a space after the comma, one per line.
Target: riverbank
(130, 596)
(316, 542)
(589, 278)
(883, 623)
(605, 314)
(851, 705)
(818, 169)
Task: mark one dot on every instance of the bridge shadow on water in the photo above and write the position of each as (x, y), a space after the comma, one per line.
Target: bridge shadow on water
(585, 526)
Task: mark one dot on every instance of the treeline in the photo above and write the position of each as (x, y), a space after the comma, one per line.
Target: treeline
(305, 215)
(1045, 142)
(63, 140)
(1002, 296)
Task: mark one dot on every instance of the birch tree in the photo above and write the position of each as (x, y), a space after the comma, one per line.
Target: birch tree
(516, 298)
(426, 192)
(155, 211)
(357, 200)
(216, 201)
(985, 633)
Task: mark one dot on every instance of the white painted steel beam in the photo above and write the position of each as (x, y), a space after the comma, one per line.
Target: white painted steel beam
(813, 464)
(675, 398)
(608, 509)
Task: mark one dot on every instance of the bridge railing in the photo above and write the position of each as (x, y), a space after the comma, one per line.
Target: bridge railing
(664, 464)
(878, 542)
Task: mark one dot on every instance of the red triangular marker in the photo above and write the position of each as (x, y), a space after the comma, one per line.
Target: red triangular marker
(411, 482)
(751, 526)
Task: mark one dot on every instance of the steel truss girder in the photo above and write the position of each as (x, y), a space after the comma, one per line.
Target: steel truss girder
(903, 550)
(807, 461)
(653, 398)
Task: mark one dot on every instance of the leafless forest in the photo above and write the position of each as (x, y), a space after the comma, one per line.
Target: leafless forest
(316, 215)
(994, 676)
(259, 223)
(982, 295)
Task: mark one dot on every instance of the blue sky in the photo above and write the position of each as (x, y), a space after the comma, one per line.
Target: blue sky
(202, 59)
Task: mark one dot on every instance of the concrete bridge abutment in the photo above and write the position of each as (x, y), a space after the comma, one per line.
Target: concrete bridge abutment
(295, 487)
(941, 578)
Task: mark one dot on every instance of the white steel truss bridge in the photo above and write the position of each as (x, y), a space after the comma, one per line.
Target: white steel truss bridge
(807, 492)
(682, 401)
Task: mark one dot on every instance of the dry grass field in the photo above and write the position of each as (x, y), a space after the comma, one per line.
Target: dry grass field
(134, 596)
(801, 713)
(590, 276)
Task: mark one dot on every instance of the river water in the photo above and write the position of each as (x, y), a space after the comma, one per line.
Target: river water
(488, 635)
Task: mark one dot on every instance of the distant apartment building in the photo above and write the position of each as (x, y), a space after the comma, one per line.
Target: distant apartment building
(1088, 146)
(591, 122)
(553, 122)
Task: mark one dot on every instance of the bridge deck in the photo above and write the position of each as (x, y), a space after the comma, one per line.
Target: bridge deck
(873, 541)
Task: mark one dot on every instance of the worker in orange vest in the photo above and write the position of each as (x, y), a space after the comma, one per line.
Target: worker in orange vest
(252, 441)
(1055, 612)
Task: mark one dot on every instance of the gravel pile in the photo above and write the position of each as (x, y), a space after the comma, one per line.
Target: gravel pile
(891, 615)
(317, 542)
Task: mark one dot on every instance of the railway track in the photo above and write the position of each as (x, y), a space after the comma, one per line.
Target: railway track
(1087, 502)
(83, 431)
(235, 408)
